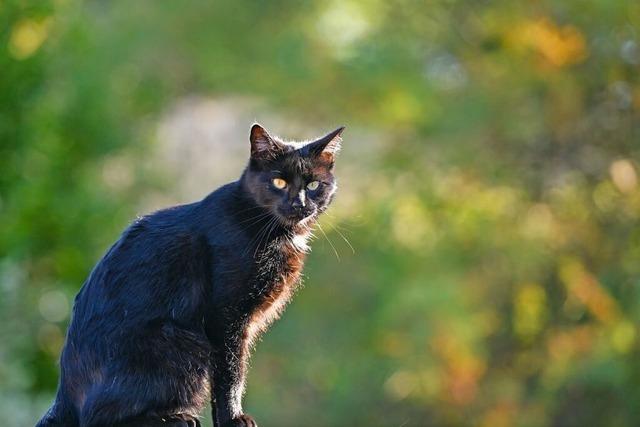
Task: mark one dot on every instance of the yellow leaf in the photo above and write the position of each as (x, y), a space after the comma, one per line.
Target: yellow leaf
(27, 36)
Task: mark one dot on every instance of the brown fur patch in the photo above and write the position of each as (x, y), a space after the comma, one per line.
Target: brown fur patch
(280, 293)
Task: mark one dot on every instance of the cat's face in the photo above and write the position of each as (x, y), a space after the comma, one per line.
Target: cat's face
(294, 181)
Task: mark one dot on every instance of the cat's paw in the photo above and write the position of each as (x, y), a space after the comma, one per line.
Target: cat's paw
(241, 421)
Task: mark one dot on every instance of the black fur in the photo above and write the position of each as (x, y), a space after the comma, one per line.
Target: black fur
(176, 302)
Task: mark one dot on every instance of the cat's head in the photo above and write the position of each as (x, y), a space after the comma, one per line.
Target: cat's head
(293, 180)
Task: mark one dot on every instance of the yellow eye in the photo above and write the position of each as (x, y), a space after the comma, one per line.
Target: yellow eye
(279, 183)
(313, 185)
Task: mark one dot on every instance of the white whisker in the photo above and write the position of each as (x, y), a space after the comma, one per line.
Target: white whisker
(328, 240)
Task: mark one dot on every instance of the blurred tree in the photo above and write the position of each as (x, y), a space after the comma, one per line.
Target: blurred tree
(495, 280)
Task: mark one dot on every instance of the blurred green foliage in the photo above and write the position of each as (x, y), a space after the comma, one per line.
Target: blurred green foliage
(496, 275)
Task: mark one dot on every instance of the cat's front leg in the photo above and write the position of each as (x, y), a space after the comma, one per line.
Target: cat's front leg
(229, 366)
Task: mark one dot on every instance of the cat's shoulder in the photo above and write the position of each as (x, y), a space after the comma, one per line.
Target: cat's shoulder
(170, 227)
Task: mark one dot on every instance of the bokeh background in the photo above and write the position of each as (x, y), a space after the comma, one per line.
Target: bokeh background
(489, 189)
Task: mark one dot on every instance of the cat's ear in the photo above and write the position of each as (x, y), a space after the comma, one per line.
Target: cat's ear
(263, 146)
(327, 146)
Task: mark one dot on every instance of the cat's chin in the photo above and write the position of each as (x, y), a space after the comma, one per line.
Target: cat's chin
(307, 221)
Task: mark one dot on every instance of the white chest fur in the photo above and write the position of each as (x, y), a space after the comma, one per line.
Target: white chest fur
(300, 242)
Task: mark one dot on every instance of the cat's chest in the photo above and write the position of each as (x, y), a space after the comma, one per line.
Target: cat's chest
(279, 268)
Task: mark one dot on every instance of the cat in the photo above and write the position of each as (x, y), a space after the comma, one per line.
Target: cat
(167, 318)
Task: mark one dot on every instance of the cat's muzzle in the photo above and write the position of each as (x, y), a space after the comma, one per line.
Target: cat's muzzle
(294, 215)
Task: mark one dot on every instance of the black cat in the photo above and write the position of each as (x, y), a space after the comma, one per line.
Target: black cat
(168, 316)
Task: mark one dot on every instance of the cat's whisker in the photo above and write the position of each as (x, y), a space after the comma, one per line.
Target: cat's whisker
(341, 227)
(272, 227)
(265, 233)
(328, 240)
(335, 228)
(250, 244)
(254, 217)
(260, 235)
(255, 238)
(236, 232)
(253, 208)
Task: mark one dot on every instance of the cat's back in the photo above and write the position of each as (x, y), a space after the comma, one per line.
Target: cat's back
(158, 260)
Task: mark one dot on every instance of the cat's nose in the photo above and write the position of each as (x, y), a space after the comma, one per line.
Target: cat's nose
(299, 201)
(298, 209)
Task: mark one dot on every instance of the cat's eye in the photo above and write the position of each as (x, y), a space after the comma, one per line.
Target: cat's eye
(279, 183)
(313, 185)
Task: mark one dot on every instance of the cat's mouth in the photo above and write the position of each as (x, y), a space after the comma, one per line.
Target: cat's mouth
(292, 218)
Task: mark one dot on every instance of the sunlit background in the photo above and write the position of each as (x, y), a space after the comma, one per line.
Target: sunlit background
(488, 187)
